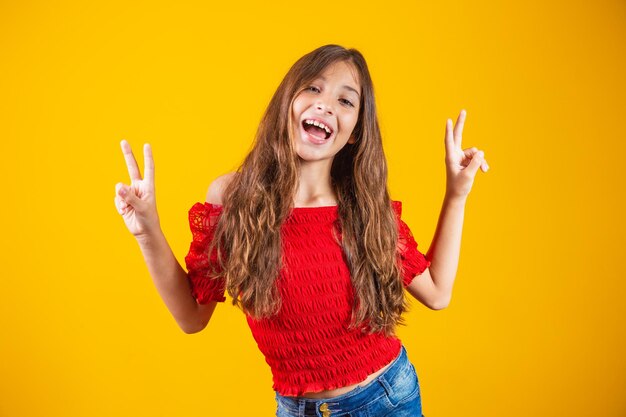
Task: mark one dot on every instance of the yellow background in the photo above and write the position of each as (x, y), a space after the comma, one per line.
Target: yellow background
(536, 323)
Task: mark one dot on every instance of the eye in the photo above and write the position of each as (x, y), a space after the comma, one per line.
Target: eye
(346, 102)
(313, 88)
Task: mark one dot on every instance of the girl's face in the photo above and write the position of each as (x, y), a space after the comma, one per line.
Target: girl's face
(325, 113)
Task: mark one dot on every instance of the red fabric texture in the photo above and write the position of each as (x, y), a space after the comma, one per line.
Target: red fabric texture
(307, 344)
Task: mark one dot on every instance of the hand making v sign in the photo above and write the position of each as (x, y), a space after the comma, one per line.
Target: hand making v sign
(137, 202)
(461, 164)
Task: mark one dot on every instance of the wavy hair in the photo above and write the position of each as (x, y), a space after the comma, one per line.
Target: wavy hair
(260, 197)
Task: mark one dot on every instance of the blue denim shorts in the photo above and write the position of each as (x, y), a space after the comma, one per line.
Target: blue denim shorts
(394, 393)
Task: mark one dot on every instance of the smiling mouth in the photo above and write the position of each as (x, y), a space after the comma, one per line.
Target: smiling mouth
(316, 130)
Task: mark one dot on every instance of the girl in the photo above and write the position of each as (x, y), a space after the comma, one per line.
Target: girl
(307, 242)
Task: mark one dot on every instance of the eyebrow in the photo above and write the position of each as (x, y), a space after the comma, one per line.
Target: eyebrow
(347, 87)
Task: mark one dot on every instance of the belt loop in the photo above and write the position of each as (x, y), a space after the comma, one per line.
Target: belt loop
(385, 384)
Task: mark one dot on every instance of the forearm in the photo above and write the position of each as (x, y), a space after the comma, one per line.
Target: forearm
(170, 280)
(446, 246)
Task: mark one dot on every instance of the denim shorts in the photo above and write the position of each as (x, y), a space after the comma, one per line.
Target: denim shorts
(394, 393)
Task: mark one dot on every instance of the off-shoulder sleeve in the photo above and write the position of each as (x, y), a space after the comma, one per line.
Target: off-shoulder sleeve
(413, 262)
(203, 218)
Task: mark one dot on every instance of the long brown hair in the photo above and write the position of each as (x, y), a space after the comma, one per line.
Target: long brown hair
(261, 195)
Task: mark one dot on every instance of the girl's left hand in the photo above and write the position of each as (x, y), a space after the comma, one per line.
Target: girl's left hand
(461, 164)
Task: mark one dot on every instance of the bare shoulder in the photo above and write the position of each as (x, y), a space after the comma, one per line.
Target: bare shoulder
(217, 187)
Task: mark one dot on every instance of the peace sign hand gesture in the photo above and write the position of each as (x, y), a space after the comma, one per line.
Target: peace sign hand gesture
(461, 164)
(137, 202)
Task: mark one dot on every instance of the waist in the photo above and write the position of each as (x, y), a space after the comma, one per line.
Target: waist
(391, 375)
(333, 393)
(344, 390)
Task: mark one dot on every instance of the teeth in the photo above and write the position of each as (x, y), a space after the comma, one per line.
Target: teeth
(318, 124)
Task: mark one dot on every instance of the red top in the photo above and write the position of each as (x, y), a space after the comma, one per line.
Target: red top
(307, 344)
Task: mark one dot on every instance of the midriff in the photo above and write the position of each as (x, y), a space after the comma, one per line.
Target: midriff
(343, 390)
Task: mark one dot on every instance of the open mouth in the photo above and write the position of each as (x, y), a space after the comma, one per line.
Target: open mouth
(317, 129)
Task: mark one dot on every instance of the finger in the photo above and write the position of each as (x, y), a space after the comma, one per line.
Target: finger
(120, 204)
(468, 154)
(458, 128)
(121, 191)
(131, 162)
(148, 163)
(118, 194)
(118, 187)
(473, 150)
(470, 151)
(448, 139)
(128, 196)
(475, 163)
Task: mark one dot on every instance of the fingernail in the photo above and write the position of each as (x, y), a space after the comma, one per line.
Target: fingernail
(481, 153)
(122, 191)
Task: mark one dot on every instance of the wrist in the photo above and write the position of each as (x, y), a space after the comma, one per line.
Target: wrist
(149, 238)
(455, 199)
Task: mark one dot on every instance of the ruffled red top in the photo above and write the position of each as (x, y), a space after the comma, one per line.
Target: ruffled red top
(307, 344)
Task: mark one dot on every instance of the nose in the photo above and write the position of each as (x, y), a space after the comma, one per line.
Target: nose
(323, 106)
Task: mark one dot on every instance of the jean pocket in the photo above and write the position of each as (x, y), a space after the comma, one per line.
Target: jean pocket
(404, 387)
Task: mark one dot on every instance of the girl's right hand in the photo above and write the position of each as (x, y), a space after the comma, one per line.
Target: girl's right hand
(137, 202)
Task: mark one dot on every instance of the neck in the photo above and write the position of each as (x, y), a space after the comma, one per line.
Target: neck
(314, 185)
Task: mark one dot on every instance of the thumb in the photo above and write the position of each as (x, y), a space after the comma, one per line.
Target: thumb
(477, 160)
(129, 197)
